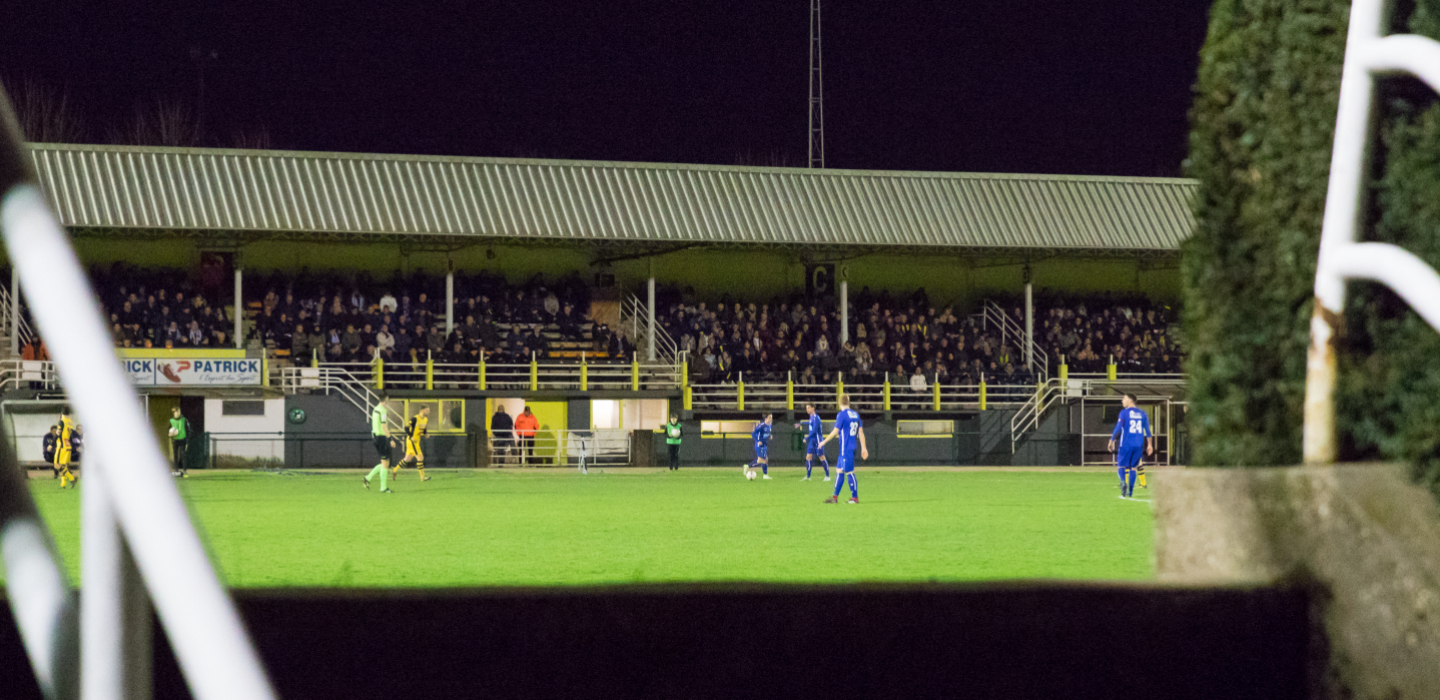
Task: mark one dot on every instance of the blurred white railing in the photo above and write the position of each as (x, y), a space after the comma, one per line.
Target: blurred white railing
(136, 533)
(28, 374)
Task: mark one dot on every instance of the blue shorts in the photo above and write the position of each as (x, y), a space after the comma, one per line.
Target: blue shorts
(762, 451)
(812, 447)
(1129, 457)
(845, 463)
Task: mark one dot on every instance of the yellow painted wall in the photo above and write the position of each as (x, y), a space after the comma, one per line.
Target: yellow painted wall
(552, 415)
(160, 407)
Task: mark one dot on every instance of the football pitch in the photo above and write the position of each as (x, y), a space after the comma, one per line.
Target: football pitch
(559, 527)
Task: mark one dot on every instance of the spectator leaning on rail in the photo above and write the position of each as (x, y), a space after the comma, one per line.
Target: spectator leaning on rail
(502, 430)
(526, 426)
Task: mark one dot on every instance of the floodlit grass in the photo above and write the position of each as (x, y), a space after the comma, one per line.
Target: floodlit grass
(558, 527)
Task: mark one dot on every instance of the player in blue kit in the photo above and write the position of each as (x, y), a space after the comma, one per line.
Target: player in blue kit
(812, 443)
(761, 435)
(851, 433)
(1132, 431)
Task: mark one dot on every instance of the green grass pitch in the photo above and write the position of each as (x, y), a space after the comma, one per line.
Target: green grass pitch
(558, 527)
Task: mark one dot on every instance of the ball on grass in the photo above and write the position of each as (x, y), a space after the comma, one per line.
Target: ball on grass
(750, 475)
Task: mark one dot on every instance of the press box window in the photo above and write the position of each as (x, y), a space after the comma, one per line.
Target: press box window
(711, 428)
(925, 428)
(446, 415)
(242, 408)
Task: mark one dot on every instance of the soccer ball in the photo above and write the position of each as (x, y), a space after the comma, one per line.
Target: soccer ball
(750, 475)
(174, 432)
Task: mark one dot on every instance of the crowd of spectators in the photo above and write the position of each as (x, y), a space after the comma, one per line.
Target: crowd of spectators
(159, 308)
(340, 319)
(905, 339)
(354, 318)
(1137, 333)
(909, 341)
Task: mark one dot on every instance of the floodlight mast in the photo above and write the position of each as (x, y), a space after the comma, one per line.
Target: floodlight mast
(817, 92)
(1368, 53)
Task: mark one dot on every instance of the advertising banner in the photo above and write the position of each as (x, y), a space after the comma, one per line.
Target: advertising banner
(197, 371)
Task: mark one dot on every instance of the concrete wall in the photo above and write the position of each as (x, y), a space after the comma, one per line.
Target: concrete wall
(246, 437)
(978, 440)
(336, 434)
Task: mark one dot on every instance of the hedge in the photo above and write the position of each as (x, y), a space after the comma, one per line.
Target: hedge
(1262, 125)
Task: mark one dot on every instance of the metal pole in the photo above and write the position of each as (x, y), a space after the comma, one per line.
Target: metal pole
(14, 312)
(650, 342)
(239, 307)
(449, 300)
(1029, 327)
(844, 312)
(115, 633)
(1344, 207)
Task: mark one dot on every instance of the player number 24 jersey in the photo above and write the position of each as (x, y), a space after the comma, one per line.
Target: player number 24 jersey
(1132, 428)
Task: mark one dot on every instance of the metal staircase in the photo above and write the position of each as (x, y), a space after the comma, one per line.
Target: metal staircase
(635, 324)
(16, 325)
(337, 380)
(1027, 419)
(1011, 333)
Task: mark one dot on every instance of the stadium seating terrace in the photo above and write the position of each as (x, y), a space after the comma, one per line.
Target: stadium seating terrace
(336, 317)
(908, 340)
(352, 317)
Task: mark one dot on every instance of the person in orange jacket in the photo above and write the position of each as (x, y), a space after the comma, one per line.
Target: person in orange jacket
(526, 426)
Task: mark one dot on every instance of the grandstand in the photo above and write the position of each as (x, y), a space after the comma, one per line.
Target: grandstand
(1000, 311)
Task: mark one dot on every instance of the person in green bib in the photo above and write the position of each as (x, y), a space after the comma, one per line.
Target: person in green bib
(673, 433)
(380, 433)
(179, 440)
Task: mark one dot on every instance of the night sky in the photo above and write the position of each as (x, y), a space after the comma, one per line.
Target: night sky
(1054, 86)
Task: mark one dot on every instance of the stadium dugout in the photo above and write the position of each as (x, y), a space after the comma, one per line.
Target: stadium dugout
(628, 231)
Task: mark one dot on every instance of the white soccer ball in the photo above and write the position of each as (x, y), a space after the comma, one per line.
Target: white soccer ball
(174, 432)
(749, 474)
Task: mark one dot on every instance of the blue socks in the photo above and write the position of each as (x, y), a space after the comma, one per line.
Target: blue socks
(841, 478)
(854, 491)
(810, 464)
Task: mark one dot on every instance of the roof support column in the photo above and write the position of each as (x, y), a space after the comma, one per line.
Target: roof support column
(844, 312)
(1029, 322)
(650, 311)
(449, 297)
(239, 304)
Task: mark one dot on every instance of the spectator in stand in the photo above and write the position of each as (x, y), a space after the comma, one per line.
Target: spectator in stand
(501, 436)
(300, 345)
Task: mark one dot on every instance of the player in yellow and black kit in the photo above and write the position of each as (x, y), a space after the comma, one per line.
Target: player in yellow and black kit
(414, 430)
(64, 448)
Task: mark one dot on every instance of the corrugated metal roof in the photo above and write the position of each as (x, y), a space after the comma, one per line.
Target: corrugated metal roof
(366, 195)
